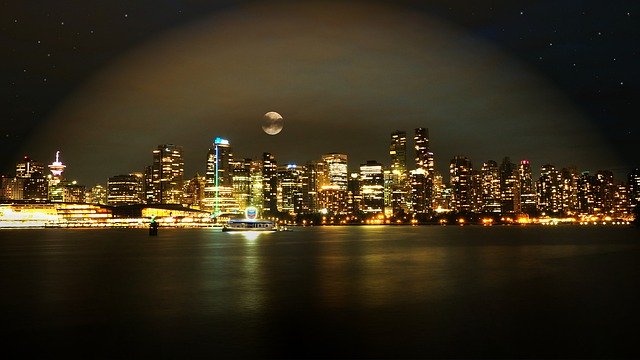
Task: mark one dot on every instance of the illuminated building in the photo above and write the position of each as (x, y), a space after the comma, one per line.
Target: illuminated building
(490, 178)
(289, 189)
(460, 179)
(420, 195)
(399, 184)
(633, 183)
(193, 192)
(527, 188)
(12, 188)
(97, 195)
(242, 183)
(441, 199)
(354, 196)
(124, 189)
(509, 188)
(333, 194)
(35, 187)
(73, 193)
(55, 188)
(57, 168)
(372, 188)
(423, 155)
(218, 191)
(569, 191)
(269, 184)
(314, 178)
(27, 167)
(167, 173)
(604, 191)
(621, 201)
(548, 189)
(585, 193)
(255, 173)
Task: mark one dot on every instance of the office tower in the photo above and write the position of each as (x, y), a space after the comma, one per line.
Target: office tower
(167, 171)
(423, 154)
(333, 194)
(218, 191)
(314, 178)
(460, 179)
(269, 184)
(372, 189)
(604, 190)
(193, 192)
(441, 201)
(73, 192)
(255, 173)
(26, 167)
(527, 188)
(509, 188)
(11, 188)
(242, 182)
(125, 189)
(549, 191)
(289, 190)
(585, 193)
(354, 196)
(569, 191)
(420, 192)
(633, 183)
(491, 198)
(621, 201)
(98, 195)
(399, 188)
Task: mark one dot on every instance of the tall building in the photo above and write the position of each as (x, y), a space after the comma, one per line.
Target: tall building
(490, 177)
(509, 188)
(633, 184)
(218, 191)
(549, 191)
(289, 192)
(585, 193)
(97, 195)
(242, 182)
(255, 172)
(604, 192)
(55, 186)
(421, 192)
(460, 178)
(167, 171)
(333, 194)
(399, 175)
(27, 167)
(314, 178)
(372, 188)
(527, 188)
(125, 189)
(30, 174)
(269, 184)
(569, 191)
(423, 154)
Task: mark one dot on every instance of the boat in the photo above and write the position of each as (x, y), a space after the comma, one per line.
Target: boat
(249, 223)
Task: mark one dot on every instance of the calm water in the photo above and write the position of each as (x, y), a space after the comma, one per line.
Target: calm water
(323, 292)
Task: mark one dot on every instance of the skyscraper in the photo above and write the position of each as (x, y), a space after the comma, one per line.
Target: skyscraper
(399, 188)
(218, 191)
(290, 189)
(333, 194)
(509, 188)
(461, 172)
(423, 154)
(167, 173)
(124, 189)
(633, 183)
(372, 188)
(491, 199)
(269, 184)
(527, 188)
(548, 189)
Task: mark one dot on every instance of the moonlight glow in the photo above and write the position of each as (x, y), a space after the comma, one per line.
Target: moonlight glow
(272, 123)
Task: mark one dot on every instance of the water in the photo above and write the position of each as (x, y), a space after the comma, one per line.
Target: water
(388, 291)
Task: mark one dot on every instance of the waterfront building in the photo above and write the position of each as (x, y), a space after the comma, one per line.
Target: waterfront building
(461, 181)
(569, 191)
(420, 194)
(242, 182)
(97, 195)
(167, 171)
(399, 189)
(585, 193)
(314, 178)
(621, 201)
(193, 192)
(255, 172)
(218, 191)
(125, 189)
(441, 199)
(423, 155)
(633, 183)
(549, 191)
(27, 167)
(372, 188)
(604, 191)
(289, 189)
(55, 186)
(490, 178)
(72, 192)
(269, 184)
(35, 187)
(354, 194)
(509, 188)
(333, 191)
(527, 189)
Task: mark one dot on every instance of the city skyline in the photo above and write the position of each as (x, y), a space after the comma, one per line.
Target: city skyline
(549, 83)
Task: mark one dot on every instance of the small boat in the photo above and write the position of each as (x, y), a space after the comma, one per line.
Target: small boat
(249, 223)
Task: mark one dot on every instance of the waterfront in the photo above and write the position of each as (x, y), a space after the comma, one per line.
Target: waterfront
(369, 291)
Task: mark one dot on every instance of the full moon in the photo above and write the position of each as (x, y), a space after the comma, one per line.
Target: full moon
(272, 123)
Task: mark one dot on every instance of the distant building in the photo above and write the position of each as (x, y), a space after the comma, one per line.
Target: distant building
(549, 191)
(372, 188)
(167, 173)
(399, 189)
(527, 188)
(509, 188)
(269, 184)
(289, 189)
(241, 182)
(460, 179)
(491, 198)
(125, 189)
(97, 195)
(333, 193)
(633, 183)
(218, 191)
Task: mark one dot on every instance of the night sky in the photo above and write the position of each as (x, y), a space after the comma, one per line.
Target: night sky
(105, 82)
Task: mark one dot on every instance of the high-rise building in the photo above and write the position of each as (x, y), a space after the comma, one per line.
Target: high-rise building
(242, 182)
(55, 186)
(97, 195)
(269, 184)
(604, 191)
(549, 191)
(372, 188)
(423, 154)
(399, 175)
(289, 192)
(125, 189)
(255, 173)
(193, 192)
(167, 173)
(633, 184)
(420, 194)
(585, 193)
(27, 167)
(569, 191)
(314, 178)
(621, 201)
(526, 188)
(490, 177)
(460, 178)
(218, 191)
(509, 188)
(333, 194)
